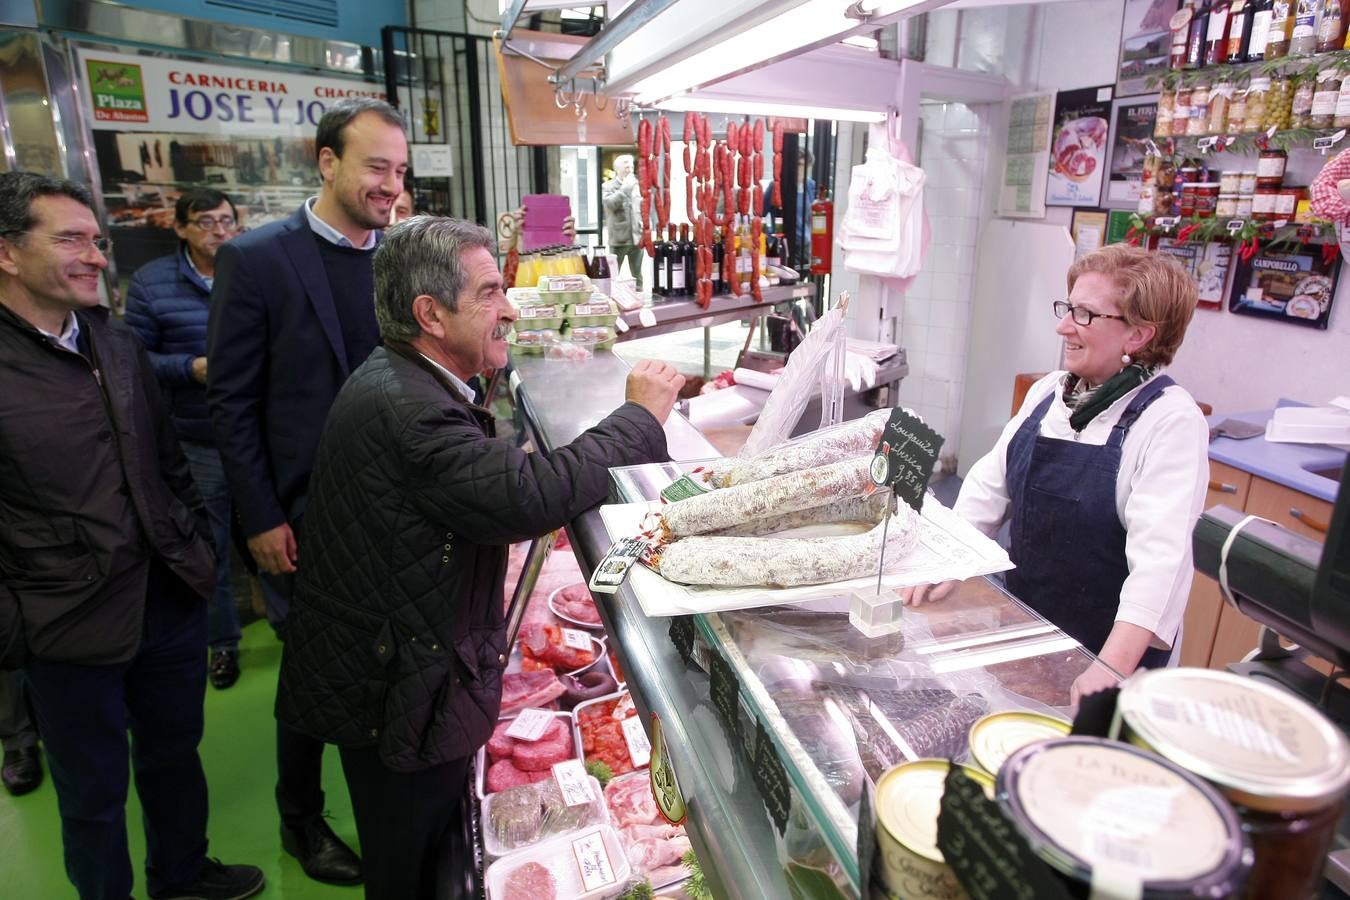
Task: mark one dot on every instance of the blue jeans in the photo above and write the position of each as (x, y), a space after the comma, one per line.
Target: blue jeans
(85, 712)
(207, 471)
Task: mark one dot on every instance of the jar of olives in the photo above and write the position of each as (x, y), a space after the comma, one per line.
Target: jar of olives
(1162, 125)
(1325, 95)
(1198, 123)
(1300, 111)
(1258, 96)
(1279, 103)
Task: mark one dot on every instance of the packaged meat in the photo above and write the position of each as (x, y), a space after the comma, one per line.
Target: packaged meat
(573, 603)
(520, 816)
(554, 868)
(532, 689)
(586, 686)
(506, 762)
(654, 846)
(603, 736)
(549, 646)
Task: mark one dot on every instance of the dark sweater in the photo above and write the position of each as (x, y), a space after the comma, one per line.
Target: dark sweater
(351, 278)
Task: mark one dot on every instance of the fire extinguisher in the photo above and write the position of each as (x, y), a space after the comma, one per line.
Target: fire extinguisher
(822, 233)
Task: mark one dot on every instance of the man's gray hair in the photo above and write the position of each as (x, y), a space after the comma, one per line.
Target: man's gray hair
(421, 255)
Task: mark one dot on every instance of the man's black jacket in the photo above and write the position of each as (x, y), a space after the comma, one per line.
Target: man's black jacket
(92, 484)
(395, 636)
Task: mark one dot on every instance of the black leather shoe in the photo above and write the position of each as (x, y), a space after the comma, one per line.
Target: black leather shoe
(322, 854)
(22, 770)
(218, 882)
(224, 668)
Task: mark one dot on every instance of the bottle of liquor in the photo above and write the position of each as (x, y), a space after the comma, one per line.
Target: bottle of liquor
(674, 265)
(660, 285)
(1303, 42)
(1262, 13)
(690, 261)
(1281, 29)
(598, 271)
(1181, 29)
(1195, 40)
(1216, 36)
(1330, 26)
(719, 254)
(1239, 31)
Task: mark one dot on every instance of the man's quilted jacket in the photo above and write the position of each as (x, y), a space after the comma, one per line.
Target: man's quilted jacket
(396, 637)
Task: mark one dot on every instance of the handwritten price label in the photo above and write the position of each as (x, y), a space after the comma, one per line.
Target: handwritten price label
(577, 640)
(906, 456)
(639, 748)
(531, 724)
(573, 782)
(593, 862)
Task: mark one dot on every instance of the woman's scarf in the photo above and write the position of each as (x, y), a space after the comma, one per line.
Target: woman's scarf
(1087, 403)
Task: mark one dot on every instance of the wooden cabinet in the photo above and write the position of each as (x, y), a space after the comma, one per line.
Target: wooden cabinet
(1215, 633)
(1228, 487)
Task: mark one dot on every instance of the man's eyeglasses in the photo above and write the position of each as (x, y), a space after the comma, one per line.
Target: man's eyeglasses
(211, 223)
(1081, 314)
(74, 242)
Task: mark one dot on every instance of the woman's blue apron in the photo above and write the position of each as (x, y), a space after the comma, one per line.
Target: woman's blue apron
(1067, 539)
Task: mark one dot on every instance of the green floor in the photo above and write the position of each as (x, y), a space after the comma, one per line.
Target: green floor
(240, 759)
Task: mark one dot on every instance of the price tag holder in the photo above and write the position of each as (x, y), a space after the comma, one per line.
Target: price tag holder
(639, 748)
(1236, 225)
(1205, 144)
(593, 862)
(1326, 143)
(682, 636)
(531, 724)
(646, 317)
(771, 779)
(683, 488)
(724, 690)
(577, 640)
(613, 569)
(1167, 222)
(620, 325)
(990, 857)
(906, 456)
(573, 782)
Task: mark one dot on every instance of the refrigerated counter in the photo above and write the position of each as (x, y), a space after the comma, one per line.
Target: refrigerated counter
(780, 718)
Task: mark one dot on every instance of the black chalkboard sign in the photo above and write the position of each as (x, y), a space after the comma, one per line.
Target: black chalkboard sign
(906, 456)
(682, 636)
(725, 689)
(771, 779)
(990, 857)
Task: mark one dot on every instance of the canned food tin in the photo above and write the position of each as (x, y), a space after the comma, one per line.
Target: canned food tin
(1114, 820)
(998, 735)
(908, 800)
(1282, 763)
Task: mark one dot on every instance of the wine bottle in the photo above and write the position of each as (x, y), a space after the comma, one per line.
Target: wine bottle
(1181, 29)
(1195, 41)
(674, 265)
(1281, 28)
(1263, 12)
(1330, 27)
(660, 284)
(1216, 36)
(1239, 31)
(719, 253)
(1303, 42)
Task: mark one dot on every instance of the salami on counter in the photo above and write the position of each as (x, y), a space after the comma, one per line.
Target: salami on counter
(843, 441)
(784, 562)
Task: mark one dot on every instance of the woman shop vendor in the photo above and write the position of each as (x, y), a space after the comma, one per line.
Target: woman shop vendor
(1103, 471)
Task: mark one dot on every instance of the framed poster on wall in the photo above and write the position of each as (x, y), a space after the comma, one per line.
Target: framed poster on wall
(1118, 222)
(1078, 149)
(1131, 129)
(1088, 230)
(1145, 40)
(1022, 193)
(1297, 287)
(1209, 263)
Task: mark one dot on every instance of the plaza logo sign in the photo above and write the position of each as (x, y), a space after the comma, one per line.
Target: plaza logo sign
(117, 91)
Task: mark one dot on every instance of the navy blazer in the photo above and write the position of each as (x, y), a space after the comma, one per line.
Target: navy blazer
(277, 360)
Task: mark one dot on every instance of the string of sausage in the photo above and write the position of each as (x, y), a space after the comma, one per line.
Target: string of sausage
(653, 173)
(644, 176)
(777, 200)
(698, 204)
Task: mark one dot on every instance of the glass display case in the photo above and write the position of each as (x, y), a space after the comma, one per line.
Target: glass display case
(780, 719)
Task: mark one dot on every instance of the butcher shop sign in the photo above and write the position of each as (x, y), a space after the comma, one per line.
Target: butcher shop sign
(906, 456)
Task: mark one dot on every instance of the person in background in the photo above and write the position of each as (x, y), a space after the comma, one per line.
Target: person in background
(623, 211)
(1104, 469)
(806, 195)
(168, 300)
(429, 519)
(292, 314)
(403, 207)
(21, 770)
(105, 559)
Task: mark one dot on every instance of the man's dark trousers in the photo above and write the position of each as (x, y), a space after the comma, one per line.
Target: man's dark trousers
(84, 713)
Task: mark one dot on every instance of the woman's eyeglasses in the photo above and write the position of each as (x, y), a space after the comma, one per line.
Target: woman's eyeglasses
(1081, 314)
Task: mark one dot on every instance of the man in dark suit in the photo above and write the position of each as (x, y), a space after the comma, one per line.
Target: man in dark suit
(292, 314)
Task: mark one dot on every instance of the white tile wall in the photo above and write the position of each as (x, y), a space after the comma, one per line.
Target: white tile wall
(935, 321)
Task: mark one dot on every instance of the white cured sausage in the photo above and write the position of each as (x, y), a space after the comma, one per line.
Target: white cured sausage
(867, 509)
(843, 441)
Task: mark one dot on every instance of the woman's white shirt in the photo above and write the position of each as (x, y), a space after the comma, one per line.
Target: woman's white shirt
(1160, 493)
